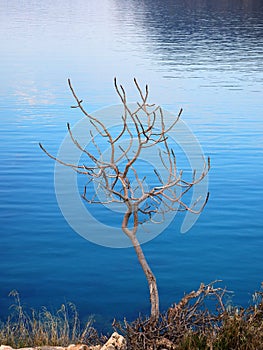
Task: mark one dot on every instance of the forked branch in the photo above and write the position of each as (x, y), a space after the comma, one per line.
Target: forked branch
(114, 169)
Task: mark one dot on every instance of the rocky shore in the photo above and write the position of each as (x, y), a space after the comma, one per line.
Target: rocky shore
(115, 342)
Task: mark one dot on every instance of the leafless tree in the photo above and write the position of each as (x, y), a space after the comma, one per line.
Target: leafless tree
(118, 178)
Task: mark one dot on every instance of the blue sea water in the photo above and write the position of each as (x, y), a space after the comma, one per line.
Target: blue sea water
(203, 56)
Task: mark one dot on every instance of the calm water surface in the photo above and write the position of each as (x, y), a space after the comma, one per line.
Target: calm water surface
(204, 56)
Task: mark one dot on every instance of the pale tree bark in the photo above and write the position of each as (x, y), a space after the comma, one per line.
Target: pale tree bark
(154, 295)
(115, 173)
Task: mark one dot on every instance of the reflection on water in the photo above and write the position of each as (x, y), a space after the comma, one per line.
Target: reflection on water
(195, 38)
(204, 56)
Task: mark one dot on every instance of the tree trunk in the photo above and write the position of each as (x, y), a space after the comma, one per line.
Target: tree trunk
(154, 295)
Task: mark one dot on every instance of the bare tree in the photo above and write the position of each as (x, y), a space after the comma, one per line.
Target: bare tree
(118, 178)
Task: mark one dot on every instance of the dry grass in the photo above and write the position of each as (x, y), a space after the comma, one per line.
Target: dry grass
(202, 320)
(39, 328)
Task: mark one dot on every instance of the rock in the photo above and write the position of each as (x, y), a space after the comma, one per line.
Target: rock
(81, 347)
(46, 347)
(115, 342)
(77, 347)
(5, 347)
(70, 347)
